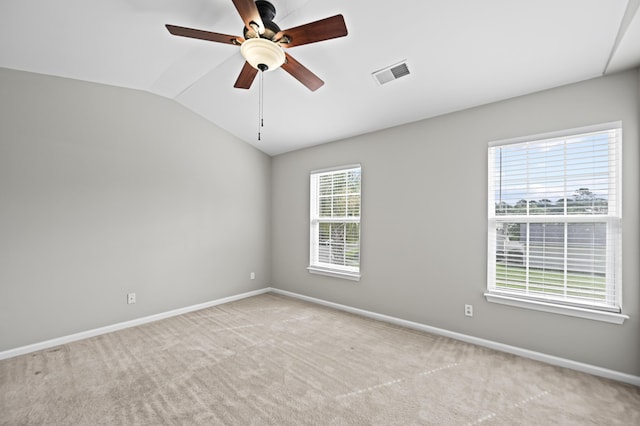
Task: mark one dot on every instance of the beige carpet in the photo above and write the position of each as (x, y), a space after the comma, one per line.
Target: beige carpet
(272, 360)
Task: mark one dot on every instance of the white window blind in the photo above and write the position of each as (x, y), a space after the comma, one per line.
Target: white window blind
(335, 222)
(554, 218)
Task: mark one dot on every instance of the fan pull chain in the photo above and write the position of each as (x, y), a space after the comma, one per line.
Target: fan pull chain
(260, 104)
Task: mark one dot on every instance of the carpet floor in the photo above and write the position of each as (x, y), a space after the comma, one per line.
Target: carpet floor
(273, 360)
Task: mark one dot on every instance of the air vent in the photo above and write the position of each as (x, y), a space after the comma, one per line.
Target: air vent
(391, 73)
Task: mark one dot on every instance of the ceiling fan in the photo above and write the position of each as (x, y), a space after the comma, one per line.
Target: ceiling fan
(263, 41)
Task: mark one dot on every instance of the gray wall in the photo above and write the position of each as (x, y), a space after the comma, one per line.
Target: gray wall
(424, 221)
(105, 191)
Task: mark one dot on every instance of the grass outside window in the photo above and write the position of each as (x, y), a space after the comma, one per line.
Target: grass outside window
(545, 281)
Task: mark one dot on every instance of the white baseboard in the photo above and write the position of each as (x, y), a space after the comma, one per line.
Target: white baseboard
(538, 356)
(122, 325)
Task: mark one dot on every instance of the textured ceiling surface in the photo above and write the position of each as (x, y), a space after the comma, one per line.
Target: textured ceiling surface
(460, 54)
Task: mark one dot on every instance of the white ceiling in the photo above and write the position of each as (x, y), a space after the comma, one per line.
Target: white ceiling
(461, 53)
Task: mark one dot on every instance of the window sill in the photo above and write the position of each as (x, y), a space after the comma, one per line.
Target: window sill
(353, 276)
(573, 311)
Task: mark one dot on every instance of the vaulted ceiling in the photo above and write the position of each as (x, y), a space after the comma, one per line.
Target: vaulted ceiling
(460, 54)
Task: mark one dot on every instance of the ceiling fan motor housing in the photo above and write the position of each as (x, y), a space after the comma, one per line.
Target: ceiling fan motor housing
(267, 12)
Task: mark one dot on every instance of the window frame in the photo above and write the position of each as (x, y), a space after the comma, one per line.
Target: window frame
(613, 219)
(315, 265)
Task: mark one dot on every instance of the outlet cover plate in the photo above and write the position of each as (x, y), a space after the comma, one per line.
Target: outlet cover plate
(468, 310)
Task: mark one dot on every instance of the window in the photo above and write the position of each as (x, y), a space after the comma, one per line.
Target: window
(335, 222)
(554, 223)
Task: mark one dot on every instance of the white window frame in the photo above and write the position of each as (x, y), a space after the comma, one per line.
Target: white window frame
(547, 303)
(316, 266)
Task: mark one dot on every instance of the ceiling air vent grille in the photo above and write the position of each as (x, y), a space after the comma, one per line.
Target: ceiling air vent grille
(391, 73)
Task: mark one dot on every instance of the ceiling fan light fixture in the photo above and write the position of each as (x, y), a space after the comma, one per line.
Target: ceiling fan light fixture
(262, 54)
(262, 42)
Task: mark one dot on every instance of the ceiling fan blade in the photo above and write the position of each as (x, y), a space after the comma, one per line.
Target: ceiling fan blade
(204, 35)
(302, 74)
(246, 77)
(324, 29)
(249, 13)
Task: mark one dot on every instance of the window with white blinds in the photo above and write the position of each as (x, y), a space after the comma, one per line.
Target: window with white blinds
(335, 222)
(554, 219)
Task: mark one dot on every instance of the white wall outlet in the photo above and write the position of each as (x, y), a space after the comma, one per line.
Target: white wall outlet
(252, 275)
(131, 298)
(468, 310)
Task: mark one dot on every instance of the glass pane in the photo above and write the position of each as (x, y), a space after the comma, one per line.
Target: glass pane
(567, 260)
(324, 232)
(584, 201)
(325, 185)
(324, 207)
(340, 206)
(551, 177)
(324, 253)
(510, 261)
(337, 243)
(352, 255)
(510, 243)
(353, 182)
(324, 247)
(546, 258)
(353, 233)
(340, 183)
(353, 205)
(337, 233)
(586, 260)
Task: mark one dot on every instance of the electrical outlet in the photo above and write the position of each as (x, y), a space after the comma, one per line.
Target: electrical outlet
(252, 276)
(468, 310)
(131, 298)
